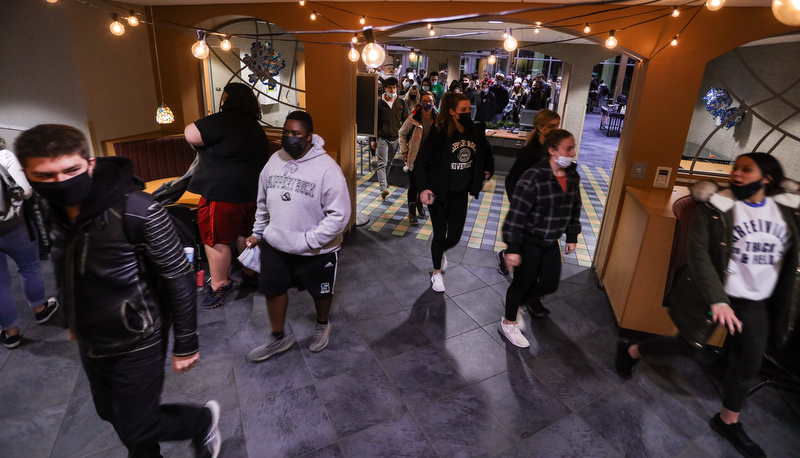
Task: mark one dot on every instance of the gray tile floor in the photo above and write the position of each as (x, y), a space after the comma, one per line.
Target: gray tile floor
(408, 372)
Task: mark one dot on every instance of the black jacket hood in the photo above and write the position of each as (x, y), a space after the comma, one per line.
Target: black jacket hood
(112, 179)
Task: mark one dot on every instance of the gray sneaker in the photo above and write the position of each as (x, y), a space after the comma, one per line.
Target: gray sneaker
(320, 338)
(271, 348)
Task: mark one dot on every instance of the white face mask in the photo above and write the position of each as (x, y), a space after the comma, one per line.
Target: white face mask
(563, 161)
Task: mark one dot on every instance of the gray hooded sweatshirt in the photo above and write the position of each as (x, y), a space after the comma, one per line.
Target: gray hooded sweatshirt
(303, 204)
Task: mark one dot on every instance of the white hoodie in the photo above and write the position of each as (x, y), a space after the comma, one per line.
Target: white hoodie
(303, 204)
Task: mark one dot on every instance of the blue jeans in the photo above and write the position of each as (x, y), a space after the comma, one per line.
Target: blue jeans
(386, 151)
(25, 252)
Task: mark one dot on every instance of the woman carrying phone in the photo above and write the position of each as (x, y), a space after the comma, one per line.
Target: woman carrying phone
(742, 275)
(452, 164)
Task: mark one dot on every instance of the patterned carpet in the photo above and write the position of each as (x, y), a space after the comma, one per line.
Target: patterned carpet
(483, 229)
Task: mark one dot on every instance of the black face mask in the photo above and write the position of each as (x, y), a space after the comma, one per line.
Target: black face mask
(746, 191)
(464, 85)
(295, 146)
(65, 193)
(412, 96)
(464, 119)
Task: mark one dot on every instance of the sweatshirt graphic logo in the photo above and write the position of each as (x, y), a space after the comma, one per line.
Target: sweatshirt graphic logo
(463, 150)
(298, 185)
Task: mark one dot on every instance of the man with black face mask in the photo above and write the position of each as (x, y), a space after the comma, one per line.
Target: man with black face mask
(391, 115)
(120, 320)
(303, 208)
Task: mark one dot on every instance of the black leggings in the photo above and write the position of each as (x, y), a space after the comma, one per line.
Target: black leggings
(448, 224)
(745, 350)
(536, 276)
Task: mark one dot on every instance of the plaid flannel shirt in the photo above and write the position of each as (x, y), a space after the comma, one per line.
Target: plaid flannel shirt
(541, 211)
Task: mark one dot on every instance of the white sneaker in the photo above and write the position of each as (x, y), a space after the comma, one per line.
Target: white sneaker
(513, 334)
(444, 262)
(438, 283)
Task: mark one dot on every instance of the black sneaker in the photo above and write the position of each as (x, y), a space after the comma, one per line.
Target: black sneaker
(9, 341)
(501, 262)
(537, 309)
(210, 445)
(50, 308)
(245, 280)
(735, 435)
(215, 298)
(624, 363)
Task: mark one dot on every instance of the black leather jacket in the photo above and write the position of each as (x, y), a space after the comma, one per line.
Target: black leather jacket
(111, 307)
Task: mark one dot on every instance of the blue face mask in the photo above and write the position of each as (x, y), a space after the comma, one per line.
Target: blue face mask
(485, 91)
(426, 88)
(524, 84)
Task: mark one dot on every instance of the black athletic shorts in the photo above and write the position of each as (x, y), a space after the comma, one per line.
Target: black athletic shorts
(281, 271)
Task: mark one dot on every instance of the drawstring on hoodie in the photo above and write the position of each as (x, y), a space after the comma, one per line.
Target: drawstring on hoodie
(290, 167)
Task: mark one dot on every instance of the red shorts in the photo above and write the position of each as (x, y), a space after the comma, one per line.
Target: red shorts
(224, 222)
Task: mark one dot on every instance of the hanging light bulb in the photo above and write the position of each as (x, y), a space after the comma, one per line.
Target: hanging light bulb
(431, 32)
(225, 44)
(536, 30)
(430, 26)
(611, 41)
(714, 5)
(510, 42)
(302, 2)
(373, 55)
(313, 15)
(200, 47)
(787, 11)
(353, 54)
(412, 55)
(355, 38)
(51, 1)
(133, 20)
(587, 29)
(675, 12)
(492, 60)
(363, 20)
(674, 41)
(115, 27)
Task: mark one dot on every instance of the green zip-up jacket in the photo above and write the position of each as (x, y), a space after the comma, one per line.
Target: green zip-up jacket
(710, 244)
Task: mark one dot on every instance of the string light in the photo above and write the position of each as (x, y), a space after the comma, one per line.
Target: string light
(431, 32)
(225, 44)
(412, 55)
(313, 15)
(115, 27)
(51, 1)
(675, 12)
(787, 11)
(200, 48)
(611, 41)
(363, 20)
(505, 34)
(302, 2)
(492, 60)
(714, 5)
(536, 30)
(133, 20)
(587, 29)
(373, 55)
(355, 38)
(353, 54)
(510, 42)
(674, 41)
(430, 26)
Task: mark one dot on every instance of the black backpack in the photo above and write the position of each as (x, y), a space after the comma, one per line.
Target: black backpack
(134, 216)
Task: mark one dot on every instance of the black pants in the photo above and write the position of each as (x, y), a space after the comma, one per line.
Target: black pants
(126, 390)
(537, 275)
(448, 224)
(412, 187)
(745, 350)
